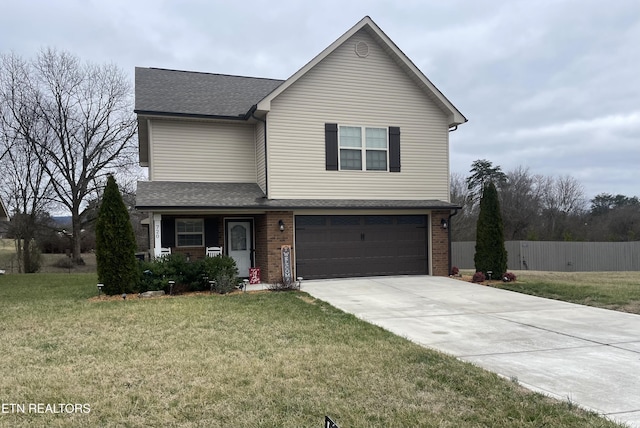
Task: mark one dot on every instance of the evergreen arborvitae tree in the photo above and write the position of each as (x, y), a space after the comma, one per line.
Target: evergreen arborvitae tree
(491, 254)
(115, 243)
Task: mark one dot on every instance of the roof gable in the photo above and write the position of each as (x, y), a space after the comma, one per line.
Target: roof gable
(454, 116)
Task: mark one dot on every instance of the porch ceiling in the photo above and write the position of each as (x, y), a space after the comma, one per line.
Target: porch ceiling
(165, 195)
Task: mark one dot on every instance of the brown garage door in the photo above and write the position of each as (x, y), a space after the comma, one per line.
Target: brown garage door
(351, 246)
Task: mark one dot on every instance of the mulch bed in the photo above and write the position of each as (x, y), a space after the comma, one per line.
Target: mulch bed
(134, 296)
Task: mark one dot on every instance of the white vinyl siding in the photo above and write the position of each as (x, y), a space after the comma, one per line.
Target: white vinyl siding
(260, 157)
(370, 92)
(191, 150)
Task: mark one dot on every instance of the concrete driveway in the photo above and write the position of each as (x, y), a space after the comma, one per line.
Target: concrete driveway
(586, 355)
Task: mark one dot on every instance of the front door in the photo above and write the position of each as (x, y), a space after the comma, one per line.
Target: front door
(240, 244)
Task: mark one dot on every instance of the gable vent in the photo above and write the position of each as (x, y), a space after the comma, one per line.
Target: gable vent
(362, 49)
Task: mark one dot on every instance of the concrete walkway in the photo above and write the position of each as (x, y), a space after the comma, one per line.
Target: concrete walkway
(571, 352)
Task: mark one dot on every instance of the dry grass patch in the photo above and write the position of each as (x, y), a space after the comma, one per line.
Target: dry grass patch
(609, 290)
(242, 360)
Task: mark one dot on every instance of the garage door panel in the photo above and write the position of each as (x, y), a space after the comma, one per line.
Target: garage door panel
(343, 236)
(345, 246)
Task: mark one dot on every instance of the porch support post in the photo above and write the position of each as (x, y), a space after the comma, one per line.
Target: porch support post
(157, 234)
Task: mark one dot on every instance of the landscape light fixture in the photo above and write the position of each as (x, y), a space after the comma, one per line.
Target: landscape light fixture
(100, 289)
(444, 223)
(281, 225)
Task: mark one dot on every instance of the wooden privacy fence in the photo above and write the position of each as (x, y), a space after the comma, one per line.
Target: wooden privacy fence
(558, 256)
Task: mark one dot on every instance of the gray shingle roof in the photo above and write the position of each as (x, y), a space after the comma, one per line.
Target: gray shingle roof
(198, 94)
(154, 195)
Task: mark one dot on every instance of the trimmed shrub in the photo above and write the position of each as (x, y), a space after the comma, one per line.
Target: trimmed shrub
(222, 270)
(188, 275)
(282, 285)
(478, 277)
(509, 277)
(491, 255)
(115, 244)
(455, 271)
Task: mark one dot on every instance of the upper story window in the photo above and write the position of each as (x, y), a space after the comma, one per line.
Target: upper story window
(190, 232)
(363, 148)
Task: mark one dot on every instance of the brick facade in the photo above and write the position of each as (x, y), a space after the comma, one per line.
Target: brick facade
(269, 242)
(440, 244)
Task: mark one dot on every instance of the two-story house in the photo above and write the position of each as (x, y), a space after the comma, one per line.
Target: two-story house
(346, 162)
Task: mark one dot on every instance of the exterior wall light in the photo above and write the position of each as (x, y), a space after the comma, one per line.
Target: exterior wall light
(281, 225)
(444, 223)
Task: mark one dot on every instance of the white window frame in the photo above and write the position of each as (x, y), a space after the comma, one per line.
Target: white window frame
(363, 149)
(178, 233)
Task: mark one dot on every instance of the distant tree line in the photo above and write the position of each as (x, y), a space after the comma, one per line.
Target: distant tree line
(537, 207)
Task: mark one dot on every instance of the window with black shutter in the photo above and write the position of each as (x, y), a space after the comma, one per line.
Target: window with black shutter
(331, 146)
(362, 148)
(394, 149)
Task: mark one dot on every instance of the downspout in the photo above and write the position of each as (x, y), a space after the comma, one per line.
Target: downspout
(455, 211)
(266, 175)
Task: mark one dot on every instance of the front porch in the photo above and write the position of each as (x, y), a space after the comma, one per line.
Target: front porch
(251, 239)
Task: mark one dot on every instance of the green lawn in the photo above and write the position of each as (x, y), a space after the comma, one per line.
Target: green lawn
(274, 359)
(610, 290)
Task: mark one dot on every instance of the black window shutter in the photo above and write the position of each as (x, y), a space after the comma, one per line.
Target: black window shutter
(394, 149)
(210, 232)
(331, 146)
(168, 232)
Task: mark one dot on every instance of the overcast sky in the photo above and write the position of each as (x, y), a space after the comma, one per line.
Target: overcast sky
(551, 85)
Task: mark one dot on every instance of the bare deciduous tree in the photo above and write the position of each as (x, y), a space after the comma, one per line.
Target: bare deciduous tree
(87, 109)
(520, 201)
(24, 184)
(532, 206)
(463, 224)
(562, 197)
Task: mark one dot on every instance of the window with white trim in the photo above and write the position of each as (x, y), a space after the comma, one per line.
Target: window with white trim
(363, 148)
(190, 232)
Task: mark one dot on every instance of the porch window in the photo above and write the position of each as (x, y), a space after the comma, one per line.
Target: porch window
(190, 232)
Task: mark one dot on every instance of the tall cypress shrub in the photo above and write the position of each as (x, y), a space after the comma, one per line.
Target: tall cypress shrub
(491, 254)
(115, 243)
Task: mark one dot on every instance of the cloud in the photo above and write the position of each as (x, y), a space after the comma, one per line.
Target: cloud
(550, 84)
(601, 125)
